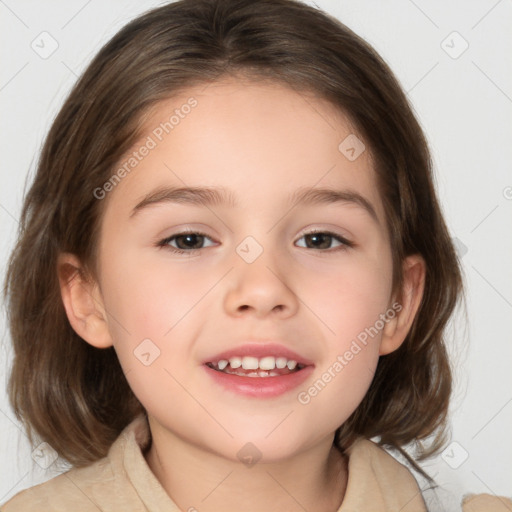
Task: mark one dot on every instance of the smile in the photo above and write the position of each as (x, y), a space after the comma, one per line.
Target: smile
(248, 366)
(255, 381)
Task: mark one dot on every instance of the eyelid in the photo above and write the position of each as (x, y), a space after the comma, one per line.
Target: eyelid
(347, 238)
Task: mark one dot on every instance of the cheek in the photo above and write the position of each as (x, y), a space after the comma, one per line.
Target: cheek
(340, 386)
(149, 296)
(348, 296)
(151, 307)
(358, 299)
(349, 301)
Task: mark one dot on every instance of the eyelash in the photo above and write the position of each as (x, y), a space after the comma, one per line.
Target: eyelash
(164, 244)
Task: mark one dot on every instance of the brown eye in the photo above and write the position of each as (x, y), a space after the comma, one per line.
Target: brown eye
(184, 242)
(324, 240)
(189, 241)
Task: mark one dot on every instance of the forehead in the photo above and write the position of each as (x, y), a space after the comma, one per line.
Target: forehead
(261, 139)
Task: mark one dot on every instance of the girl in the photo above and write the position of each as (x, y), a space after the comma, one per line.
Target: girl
(232, 273)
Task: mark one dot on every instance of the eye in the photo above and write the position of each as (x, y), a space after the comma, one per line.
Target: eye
(323, 240)
(189, 241)
(186, 241)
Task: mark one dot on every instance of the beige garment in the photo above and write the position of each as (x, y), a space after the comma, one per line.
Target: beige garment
(486, 503)
(123, 482)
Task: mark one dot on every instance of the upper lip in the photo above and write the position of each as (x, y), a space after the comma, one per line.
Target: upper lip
(260, 350)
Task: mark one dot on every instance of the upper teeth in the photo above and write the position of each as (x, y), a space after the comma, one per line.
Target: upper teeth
(253, 363)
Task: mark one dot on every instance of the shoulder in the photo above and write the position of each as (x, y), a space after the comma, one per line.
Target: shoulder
(377, 481)
(486, 502)
(75, 489)
(373, 458)
(104, 483)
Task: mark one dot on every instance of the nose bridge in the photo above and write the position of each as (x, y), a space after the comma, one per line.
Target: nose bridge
(258, 281)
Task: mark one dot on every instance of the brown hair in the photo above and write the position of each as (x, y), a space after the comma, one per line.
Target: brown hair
(75, 396)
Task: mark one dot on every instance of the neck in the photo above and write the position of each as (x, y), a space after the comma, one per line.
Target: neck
(196, 479)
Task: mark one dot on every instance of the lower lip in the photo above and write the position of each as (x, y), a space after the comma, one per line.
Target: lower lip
(260, 387)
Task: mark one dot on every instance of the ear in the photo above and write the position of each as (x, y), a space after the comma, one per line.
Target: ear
(406, 306)
(83, 302)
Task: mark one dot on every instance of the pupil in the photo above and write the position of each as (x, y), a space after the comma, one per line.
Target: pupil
(188, 237)
(323, 237)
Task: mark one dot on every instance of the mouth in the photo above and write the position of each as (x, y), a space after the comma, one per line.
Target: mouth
(259, 370)
(249, 366)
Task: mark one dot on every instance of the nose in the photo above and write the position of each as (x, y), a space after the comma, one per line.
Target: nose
(261, 289)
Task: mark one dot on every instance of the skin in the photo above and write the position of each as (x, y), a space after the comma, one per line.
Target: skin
(262, 141)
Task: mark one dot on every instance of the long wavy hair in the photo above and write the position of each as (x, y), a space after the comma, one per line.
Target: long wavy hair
(75, 396)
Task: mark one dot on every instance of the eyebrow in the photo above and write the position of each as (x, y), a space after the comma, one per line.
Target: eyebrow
(215, 196)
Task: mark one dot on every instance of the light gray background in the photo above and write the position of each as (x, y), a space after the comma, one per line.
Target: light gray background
(464, 103)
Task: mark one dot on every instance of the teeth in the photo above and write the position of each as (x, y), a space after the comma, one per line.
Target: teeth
(250, 363)
(281, 362)
(235, 362)
(265, 364)
(291, 364)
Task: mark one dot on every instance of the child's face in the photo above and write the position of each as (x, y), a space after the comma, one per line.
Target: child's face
(257, 278)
